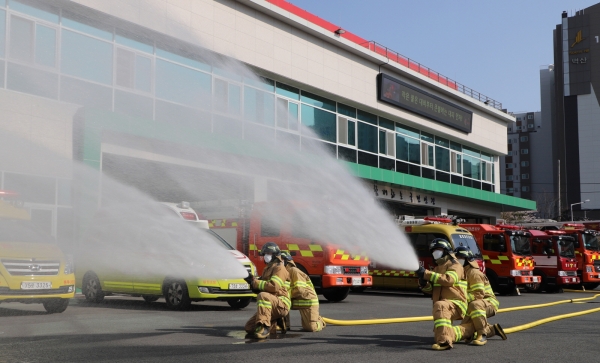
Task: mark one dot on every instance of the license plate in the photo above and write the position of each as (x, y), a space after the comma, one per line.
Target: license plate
(36, 285)
(239, 286)
(356, 281)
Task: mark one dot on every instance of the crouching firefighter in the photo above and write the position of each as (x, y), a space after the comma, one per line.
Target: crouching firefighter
(273, 302)
(482, 302)
(447, 286)
(304, 296)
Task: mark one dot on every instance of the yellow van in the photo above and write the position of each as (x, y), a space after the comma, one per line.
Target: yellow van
(33, 269)
(131, 271)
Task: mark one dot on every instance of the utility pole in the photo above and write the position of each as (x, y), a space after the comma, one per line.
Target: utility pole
(559, 207)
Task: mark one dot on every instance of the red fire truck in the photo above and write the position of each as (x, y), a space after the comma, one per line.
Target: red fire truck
(507, 254)
(332, 269)
(555, 262)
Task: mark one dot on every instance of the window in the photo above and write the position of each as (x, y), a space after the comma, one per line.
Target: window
(530, 126)
(427, 155)
(133, 71)
(287, 91)
(530, 117)
(455, 162)
(442, 158)
(510, 190)
(386, 143)
(408, 149)
(287, 114)
(509, 166)
(32, 43)
(486, 171)
(524, 151)
(509, 140)
(509, 177)
(524, 189)
(494, 242)
(524, 176)
(259, 106)
(367, 137)
(322, 123)
(471, 167)
(95, 64)
(524, 163)
(524, 138)
(318, 101)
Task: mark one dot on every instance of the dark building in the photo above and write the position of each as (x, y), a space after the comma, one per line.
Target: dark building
(577, 110)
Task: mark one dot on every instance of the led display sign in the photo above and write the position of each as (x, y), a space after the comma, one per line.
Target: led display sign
(411, 98)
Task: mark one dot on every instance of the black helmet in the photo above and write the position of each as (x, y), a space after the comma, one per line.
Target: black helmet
(440, 243)
(270, 248)
(286, 256)
(464, 252)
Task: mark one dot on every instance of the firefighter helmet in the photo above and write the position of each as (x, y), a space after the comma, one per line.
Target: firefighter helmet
(464, 252)
(286, 256)
(440, 243)
(270, 248)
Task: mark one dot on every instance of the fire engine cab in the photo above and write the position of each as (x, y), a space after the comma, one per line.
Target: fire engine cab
(507, 252)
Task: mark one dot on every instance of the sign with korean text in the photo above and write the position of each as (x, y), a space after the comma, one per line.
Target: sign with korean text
(398, 93)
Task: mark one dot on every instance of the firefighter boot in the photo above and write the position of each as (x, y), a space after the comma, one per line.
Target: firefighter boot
(441, 346)
(262, 331)
(282, 326)
(498, 330)
(480, 340)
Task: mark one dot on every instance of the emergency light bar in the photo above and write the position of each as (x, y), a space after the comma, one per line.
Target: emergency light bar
(508, 226)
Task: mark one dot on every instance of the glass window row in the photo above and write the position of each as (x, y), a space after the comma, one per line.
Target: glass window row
(130, 74)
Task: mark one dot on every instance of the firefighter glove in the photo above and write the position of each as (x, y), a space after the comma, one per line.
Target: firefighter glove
(420, 272)
(249, 278)
(422, 282)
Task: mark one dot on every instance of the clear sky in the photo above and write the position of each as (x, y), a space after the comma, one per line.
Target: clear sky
(494, 47)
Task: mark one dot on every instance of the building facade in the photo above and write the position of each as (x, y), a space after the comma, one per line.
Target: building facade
(577, 109)
(78, 75)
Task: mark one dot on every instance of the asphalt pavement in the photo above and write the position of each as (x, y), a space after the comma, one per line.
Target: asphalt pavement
(125, 329)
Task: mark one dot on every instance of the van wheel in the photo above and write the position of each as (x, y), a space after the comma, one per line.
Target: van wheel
(336, 294)
(150, 298)
(91, 288)
(176, 294)
(239, 303)
(56, 305)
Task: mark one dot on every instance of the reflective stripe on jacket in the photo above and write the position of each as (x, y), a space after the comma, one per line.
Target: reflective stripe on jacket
(447, 282)
(302, 290)
(479, 287)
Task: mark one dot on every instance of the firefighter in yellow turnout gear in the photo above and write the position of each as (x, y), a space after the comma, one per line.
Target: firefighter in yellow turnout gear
(481, 299)
(273, 302)
(304, 296)
(447, 286)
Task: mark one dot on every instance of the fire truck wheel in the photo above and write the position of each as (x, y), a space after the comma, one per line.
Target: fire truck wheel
(150, 298)
(336, 294)
(53, 306)
(91, 288)
(176, 294)
(538, 287)
(493, 278)
(239, 303)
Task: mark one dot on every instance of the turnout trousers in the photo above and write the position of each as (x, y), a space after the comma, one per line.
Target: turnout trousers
(269, 309)
(477, 314)
(444, 312)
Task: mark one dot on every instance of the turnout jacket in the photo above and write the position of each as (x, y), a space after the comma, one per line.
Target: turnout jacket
(447, 282)
(303, 292)
(275, 279)
(479, 287)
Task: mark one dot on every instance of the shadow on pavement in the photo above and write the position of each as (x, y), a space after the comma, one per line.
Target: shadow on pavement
(130, 304)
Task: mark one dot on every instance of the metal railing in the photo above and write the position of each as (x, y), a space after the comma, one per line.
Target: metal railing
(418, 67)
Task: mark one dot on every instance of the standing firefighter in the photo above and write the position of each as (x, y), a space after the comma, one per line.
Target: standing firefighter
(304, 297)
(273, 302)
(482, 301)
(447, 286)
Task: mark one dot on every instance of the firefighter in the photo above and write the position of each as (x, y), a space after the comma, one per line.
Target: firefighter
(447, 285)
(482, 302)
(304, 296)
(273, 302)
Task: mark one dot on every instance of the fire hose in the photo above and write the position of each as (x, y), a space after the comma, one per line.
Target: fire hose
(507, 330)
